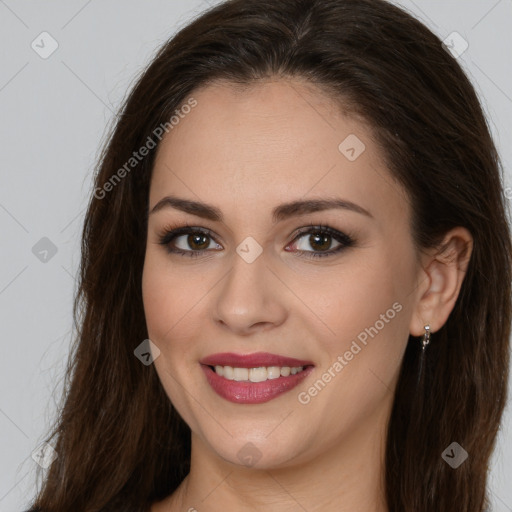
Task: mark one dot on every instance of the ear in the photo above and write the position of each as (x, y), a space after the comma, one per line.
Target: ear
(440, 279)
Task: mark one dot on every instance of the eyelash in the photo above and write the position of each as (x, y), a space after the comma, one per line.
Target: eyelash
(169, 233)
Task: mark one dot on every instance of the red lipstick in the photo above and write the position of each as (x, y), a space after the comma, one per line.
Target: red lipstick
(246, 392)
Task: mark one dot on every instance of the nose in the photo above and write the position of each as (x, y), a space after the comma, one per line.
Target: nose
(250, 298)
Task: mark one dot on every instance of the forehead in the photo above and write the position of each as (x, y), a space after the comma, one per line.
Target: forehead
(271, 142)
(284, 120)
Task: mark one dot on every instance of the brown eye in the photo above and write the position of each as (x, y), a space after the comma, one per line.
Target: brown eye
(320, 239)
(187, 241)
(320, 242)
(198, 241)
(191, 241)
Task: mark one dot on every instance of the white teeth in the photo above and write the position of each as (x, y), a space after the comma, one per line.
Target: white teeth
(241, 374)
(228, 372)
(259, 374)
(285, 371)
(273, 372)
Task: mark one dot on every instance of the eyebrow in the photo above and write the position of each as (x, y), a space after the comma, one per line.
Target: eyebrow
(279, 213)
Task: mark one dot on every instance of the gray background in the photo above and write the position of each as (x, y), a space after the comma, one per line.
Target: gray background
(54, 113)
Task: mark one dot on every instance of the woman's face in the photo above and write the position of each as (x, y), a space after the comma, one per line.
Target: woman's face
(262, 285)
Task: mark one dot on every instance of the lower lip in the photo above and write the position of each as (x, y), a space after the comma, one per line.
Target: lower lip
(245, 392)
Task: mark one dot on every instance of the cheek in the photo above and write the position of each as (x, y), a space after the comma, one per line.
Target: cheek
(159, 301)
(168, 304)
(360, 364)
(169, 298)
(367, 316)
(350, 301)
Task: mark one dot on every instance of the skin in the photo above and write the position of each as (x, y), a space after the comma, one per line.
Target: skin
(246, 152)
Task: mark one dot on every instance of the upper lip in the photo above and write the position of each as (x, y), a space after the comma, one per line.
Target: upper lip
(255, 360)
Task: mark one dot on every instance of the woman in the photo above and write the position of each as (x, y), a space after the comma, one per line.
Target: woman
(295, 276)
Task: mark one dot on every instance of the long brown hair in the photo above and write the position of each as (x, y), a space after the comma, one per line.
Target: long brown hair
(120, 443)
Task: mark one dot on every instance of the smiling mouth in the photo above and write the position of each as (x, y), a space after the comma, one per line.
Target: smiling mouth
(255, 385)
(256, 374)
